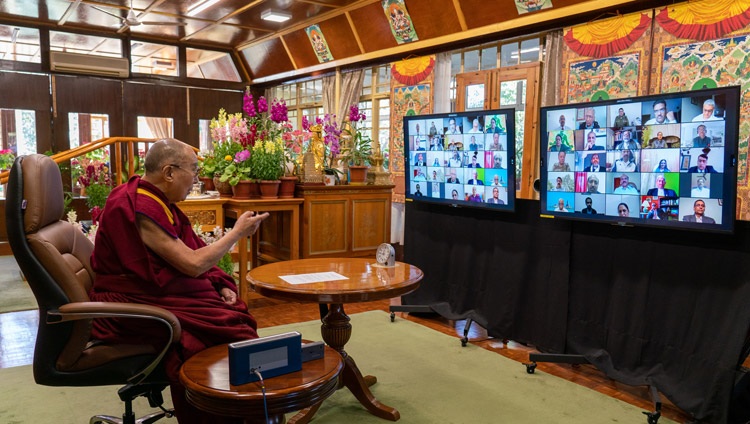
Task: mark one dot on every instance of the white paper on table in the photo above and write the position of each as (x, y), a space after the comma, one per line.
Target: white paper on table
(315, 277)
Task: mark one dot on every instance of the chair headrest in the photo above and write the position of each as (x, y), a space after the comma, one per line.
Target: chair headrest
(42, 192)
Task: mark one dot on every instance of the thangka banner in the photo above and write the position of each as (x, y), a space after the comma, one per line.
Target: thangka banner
(319, 43)
(526, 6)
(400, 21)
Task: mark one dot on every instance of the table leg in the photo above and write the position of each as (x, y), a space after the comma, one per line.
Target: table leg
(336, 331)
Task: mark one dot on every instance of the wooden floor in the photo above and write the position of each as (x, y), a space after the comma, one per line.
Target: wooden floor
(18, 330)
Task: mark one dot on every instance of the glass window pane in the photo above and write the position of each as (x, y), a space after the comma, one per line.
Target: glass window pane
(530, 50)
(384, 79)
(86, 127)
(19, 44)
(213, 65)
(367, 82)
(85, 44)
(513, 93)
(455, 63)
(471, 61)
(489, 58)
(155, 59)
(475, 97)
(509, 54)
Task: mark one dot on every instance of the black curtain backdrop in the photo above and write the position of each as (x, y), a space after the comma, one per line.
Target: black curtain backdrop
(646, 306)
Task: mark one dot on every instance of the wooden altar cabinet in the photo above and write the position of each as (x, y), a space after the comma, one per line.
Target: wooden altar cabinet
(344, 220)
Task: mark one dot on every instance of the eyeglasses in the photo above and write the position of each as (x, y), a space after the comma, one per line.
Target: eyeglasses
(194, 173)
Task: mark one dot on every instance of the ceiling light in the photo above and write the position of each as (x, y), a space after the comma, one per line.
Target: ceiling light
(275, 16)
(200, 6)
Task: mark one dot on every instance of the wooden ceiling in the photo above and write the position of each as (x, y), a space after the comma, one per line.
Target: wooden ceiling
(356, 30)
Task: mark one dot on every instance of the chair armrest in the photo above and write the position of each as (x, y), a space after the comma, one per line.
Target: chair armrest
(88, 310)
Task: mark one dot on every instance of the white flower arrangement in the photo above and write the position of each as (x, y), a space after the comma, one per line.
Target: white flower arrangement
(225, 263)
(89, 231)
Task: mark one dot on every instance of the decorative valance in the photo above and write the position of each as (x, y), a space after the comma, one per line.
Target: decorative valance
(606, 37)
(705, 20)
(414, 70)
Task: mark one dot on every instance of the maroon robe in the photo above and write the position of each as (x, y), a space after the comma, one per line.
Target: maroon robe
(128, 271)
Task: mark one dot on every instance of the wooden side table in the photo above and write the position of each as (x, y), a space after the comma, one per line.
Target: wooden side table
(206, 380)
(364, 282)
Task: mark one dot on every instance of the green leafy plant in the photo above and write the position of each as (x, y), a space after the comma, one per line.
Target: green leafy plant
(238, 169)
(224, 153)
(96, 194)
(268, 160)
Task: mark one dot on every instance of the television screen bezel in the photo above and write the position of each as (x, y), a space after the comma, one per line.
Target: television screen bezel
(729, 180)
(509, 205)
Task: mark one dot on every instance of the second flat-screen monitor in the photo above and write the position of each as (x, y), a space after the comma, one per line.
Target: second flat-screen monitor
(461, 159)
(662, 160)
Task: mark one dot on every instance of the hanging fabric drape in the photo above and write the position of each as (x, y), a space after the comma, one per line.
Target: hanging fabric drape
(442, 82)
(705, 20)
(160, 127)
(608, 36)
(351, 90)
(552, 69)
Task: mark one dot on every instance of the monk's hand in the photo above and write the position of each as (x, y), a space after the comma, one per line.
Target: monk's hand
(228, 296)
(249, 222)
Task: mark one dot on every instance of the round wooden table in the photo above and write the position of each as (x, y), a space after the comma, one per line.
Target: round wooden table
(364, 282)
(206, 379)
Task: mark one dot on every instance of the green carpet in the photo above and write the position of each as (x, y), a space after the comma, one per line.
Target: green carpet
(15, 293)
(425, 374)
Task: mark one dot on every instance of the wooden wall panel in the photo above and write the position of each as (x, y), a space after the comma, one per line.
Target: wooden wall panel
(268, 58)
(433, 18)
(74, 94)
(373, 28)
(205, 104)
(159, 101)
(301, 49)
(30, 92)
(340, 37)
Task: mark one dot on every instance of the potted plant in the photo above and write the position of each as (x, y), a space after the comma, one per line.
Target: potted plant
(268, 166)
(357, 151)
(7, 156)
(239, 175)
(207, 169)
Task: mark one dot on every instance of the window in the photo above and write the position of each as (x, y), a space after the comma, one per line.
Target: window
(84, 128)
(303, 98)
(19, 44)
(213, 65)
(150, 58)
(84, 44)
(375, 104)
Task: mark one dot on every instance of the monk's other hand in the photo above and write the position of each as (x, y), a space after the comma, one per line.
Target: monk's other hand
(228, 296)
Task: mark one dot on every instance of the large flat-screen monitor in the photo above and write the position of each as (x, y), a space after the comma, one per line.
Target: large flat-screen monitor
(665, 160)
(461, 159)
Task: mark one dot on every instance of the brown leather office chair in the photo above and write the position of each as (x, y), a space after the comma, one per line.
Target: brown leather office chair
(54, 257)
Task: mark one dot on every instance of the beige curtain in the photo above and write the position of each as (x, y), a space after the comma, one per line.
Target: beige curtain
(160, 127)
(442, 83)
(329, 94)
(351, 90)
(552, 68)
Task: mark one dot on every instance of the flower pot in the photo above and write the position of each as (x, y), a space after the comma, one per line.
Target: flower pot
(358, 175)
(208, 183)
(329, 179)
(286, 188)
(244, 189)
(269, 189)
(224, 189)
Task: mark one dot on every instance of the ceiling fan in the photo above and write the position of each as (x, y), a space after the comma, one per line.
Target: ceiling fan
(132, 20)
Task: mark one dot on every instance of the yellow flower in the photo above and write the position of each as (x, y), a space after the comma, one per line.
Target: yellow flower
(228, 158)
